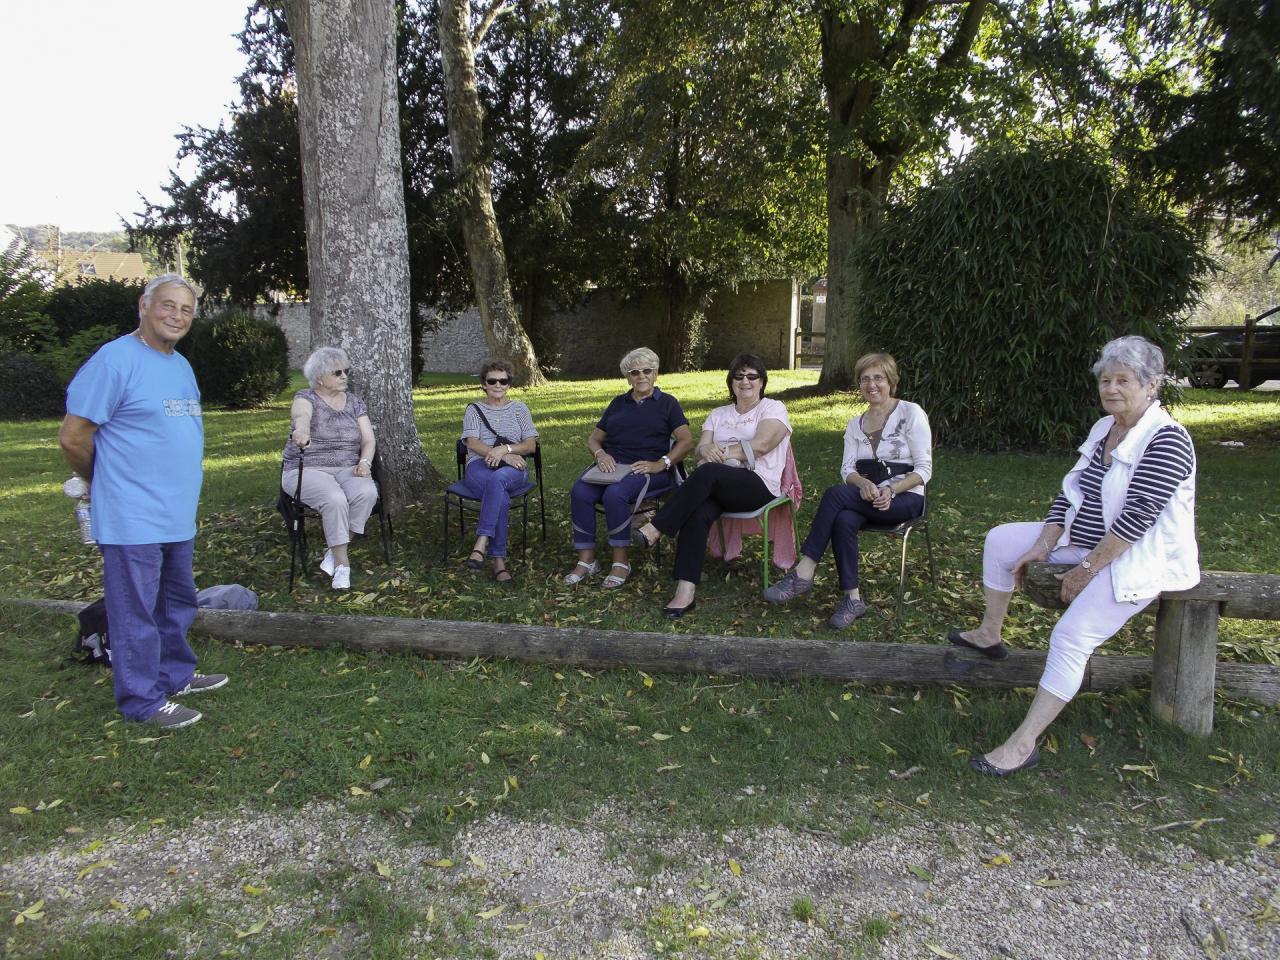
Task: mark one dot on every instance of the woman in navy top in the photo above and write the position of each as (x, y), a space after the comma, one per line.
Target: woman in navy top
(632, 441)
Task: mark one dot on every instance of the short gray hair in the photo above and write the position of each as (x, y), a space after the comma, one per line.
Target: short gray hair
(639, 357)
(1138, 354)
(164, 280)
(323, 360)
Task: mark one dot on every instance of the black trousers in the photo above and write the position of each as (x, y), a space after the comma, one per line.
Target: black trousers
(688, 514)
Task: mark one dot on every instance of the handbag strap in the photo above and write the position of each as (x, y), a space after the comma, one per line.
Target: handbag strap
(498, 438)
(748, 454)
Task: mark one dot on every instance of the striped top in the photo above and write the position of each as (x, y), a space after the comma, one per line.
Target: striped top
(512, 420)
(1166, 462)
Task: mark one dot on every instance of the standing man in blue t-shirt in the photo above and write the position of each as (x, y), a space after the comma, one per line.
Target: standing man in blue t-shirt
(134, 431)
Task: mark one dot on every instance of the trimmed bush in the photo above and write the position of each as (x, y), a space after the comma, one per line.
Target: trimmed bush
(29, 389)
(239, 360)
(998, 287)
(94, 303)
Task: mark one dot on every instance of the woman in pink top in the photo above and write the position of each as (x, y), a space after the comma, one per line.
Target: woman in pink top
(742, 453)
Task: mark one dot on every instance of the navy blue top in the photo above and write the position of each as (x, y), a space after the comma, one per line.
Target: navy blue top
(640, 430)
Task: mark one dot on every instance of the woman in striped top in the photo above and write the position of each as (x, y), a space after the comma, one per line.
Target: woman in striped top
(1125, 518)
(499, 434)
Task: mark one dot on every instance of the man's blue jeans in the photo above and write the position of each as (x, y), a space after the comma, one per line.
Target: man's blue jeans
(151, 601)
(493, 488)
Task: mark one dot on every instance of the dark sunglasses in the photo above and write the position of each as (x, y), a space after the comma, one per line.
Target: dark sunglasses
(747, 376)
(494, 381)
(342, 373)
(645, 372)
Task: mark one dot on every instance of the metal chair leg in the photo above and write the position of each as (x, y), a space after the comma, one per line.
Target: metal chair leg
(933, 572)
(902, 573)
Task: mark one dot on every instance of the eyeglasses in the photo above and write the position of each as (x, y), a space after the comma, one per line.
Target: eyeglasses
(342, 373)
(874, 378)
(494, 381)
(753, 377)
(645, 372)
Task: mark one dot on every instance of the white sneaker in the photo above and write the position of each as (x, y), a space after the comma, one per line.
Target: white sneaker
(342, 578)
(327, 564)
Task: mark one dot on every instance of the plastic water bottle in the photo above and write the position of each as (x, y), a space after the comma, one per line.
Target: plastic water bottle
(76, 487)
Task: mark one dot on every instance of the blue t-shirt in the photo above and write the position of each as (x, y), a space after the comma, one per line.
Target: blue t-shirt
(149, 444)
(640, 431)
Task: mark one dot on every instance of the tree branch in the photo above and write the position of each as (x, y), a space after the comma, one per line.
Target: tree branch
(496, 9)
(958, 50)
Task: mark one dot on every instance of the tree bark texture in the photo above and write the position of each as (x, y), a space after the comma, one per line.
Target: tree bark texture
(867, 139)
(502, 331)
(357, 243)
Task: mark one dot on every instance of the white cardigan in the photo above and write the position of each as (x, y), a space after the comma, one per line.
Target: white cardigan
(906, 438)
(1166, 556)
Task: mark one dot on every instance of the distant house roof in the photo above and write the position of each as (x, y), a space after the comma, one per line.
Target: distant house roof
(73, 266)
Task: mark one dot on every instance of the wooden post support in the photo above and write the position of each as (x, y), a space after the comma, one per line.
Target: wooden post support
(1182, 671)
(1185, 666)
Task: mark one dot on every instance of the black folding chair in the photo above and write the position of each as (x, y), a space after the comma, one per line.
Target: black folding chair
(457, 494)
(904, 530)
(295, 514)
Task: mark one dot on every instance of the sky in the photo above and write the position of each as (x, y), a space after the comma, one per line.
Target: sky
(92, 94)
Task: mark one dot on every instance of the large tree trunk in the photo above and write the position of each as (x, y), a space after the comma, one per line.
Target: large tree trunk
(502, 330)
(865, 147)
(353, 193)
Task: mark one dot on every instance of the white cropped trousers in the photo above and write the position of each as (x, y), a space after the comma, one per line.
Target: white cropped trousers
(1092, 619)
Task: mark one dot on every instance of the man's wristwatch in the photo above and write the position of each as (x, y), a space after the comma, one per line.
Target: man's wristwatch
(1087, 566)
(667, 460)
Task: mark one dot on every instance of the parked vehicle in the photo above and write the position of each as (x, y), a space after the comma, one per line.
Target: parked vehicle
(1216, 355)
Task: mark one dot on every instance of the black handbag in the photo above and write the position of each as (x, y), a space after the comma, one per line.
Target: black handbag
(878, 471)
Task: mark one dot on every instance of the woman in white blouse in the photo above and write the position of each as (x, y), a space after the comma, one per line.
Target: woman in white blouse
(888, 459)
(742, 453)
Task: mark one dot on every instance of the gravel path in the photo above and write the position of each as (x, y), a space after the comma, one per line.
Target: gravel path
(617, 889)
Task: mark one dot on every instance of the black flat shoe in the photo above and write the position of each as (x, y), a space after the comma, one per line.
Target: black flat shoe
(474, 561)
(675, 613)
(988, 769)
(638, 539)
(996, 652)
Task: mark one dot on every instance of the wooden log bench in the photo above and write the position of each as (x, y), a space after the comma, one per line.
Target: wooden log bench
(863, 661)
(1185, 664)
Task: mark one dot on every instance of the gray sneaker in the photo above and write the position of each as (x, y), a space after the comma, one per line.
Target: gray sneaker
(202, 683)
(847, 610)
(788, 588)
(173, 716)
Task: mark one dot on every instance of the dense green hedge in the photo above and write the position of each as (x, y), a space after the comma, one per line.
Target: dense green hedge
(29, 389)
(997, 288)
(239, 360)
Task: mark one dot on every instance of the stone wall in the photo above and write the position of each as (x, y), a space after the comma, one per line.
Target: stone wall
(295, 320)
(458, 346)
(759, 317)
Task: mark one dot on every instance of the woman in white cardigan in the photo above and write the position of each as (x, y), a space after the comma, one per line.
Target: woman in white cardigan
(1125, 518)
(888, 459)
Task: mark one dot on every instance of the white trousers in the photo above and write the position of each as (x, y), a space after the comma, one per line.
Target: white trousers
(343, 500)
(1092, 618)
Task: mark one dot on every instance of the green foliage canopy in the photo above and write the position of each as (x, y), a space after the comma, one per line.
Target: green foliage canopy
(998, 287)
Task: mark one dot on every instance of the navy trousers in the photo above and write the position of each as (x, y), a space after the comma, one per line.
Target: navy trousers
(151, 601)
(841, 514)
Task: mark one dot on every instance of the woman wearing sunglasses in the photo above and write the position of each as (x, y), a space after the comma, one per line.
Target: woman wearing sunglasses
(332, 426)
(632, 447)
(499, 434)
(743, 452)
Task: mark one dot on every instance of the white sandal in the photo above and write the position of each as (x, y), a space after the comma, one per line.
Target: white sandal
(588, 570)
(613, 581)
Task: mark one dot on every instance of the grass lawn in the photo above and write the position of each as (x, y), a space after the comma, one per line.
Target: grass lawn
(446, 742)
